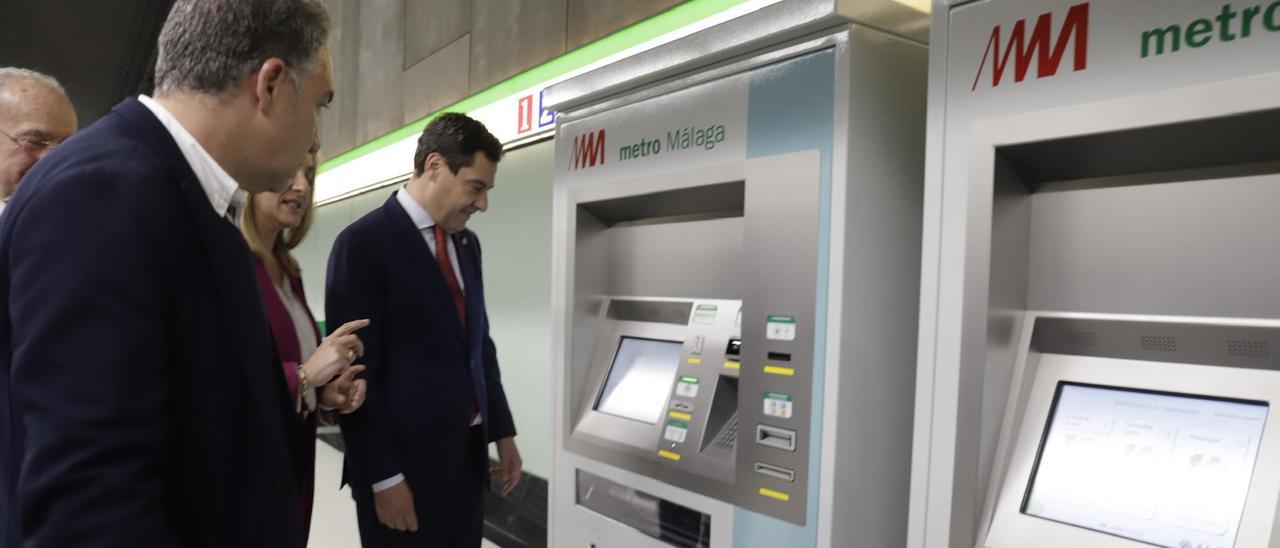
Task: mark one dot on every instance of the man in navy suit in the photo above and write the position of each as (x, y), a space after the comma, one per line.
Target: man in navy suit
(141, 403)
(417, 452)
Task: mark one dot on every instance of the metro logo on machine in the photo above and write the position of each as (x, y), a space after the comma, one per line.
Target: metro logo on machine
(1074, 26)
(588, 150)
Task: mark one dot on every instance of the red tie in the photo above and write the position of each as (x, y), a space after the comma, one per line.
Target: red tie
(446, 268)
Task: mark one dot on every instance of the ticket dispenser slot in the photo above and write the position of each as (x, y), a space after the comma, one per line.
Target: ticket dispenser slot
(777, 472)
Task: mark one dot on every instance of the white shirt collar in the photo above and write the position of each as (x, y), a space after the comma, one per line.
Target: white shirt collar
(223, 191)
(417, 213)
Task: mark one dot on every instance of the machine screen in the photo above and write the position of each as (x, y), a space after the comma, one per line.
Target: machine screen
(640, 378)
(1156, 467)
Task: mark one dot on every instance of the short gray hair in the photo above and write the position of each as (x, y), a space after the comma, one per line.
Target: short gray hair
(9, 75)
(210, 46)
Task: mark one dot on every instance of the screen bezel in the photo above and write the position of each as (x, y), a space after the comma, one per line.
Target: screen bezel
(1011, 528)
(1053, 411)
(613, 362)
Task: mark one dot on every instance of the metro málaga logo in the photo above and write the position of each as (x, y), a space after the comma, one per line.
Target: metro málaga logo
(588, 150)
(1048, 53)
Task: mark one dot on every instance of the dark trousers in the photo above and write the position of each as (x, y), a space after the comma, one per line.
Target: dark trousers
(445, 519)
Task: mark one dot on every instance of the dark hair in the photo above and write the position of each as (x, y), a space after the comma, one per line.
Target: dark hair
(210, 46)
(457, 137)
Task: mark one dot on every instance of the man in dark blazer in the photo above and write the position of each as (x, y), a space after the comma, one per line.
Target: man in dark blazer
(141, 403)
(417, 452)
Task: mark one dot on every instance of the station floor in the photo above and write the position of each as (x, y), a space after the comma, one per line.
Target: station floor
(333, 519)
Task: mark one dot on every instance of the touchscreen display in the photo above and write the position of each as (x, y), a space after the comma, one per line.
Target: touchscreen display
(642, 374)
(1156, 467)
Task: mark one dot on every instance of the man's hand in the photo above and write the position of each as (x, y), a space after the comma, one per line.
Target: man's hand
(509, 465)
(395, 507)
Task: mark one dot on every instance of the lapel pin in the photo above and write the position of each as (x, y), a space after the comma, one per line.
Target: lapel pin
(465, 240)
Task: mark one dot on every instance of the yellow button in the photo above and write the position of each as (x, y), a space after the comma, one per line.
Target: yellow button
(694, 360)
(776, 370)
(775, 494)
(681, 416)
(668, 454)
(732, 365)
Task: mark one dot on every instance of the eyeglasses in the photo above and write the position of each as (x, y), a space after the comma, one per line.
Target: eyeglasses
(31, 144)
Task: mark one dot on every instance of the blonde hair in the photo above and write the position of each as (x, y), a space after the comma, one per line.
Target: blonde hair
(289, 238)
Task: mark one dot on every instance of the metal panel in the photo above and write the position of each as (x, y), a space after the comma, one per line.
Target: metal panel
(880, 284)
(784, 259)
(1204, 248)
(437, 81)
(890, 16)
(509, 36)
(656, 260)
(769, 25)
(1225, 345)
(430, 25)
(1194, 144)
(380, 108)
(590, 20)
(338, 122)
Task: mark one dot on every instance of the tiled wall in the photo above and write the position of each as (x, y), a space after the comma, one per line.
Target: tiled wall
(396, 61)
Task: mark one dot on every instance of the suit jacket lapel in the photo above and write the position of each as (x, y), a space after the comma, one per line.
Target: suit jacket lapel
(420, 259)
(468, 263)
(229, 263)
(474, 290)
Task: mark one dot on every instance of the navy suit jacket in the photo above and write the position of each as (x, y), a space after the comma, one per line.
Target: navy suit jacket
(141, 402)
(424, 371)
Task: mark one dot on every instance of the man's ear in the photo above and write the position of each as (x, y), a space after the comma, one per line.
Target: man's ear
(432, 164)
(270, 84)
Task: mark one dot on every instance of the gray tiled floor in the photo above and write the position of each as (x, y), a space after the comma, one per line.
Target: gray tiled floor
(333, 519)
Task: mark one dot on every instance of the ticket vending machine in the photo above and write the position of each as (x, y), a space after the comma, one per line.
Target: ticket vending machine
(736, 256)
(1099, 359)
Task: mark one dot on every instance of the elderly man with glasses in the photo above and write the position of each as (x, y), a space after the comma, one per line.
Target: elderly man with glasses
(35, 115)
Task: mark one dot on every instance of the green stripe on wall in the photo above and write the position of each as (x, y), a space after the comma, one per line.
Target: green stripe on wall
(679, 16)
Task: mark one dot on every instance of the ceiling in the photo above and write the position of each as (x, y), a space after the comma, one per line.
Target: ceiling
(101, 50)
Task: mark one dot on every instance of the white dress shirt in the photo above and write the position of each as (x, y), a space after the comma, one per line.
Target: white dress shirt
(224, 192)
(426, 225)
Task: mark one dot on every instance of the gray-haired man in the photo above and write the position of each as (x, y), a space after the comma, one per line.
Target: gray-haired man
(35, 116)
(141, 400)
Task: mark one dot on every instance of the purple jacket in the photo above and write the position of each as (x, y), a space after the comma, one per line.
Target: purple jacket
(287, 349)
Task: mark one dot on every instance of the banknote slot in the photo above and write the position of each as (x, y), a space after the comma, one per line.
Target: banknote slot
(779, 438)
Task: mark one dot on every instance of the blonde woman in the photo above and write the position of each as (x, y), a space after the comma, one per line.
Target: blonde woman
(319, 372)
